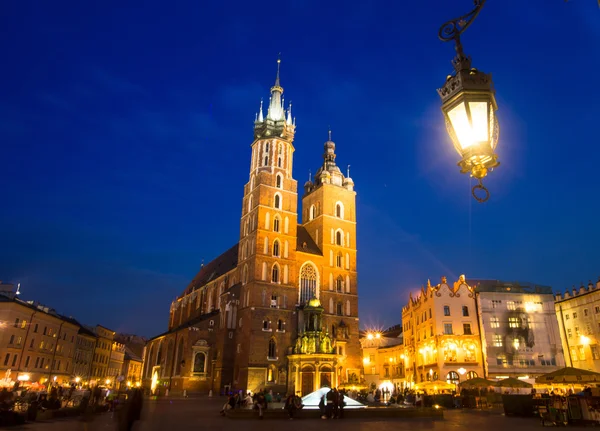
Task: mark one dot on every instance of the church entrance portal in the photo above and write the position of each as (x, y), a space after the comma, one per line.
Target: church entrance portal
(308, 379)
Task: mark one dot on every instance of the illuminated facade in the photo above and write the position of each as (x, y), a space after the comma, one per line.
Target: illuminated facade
(384, 359)
(578, 313)
(36, 343)
(279, 310)
(441, 334)
(519, 328)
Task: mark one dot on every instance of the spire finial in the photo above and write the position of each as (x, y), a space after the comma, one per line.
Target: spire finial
(309, 175)
(329, 132)
(278, 66)
(348, 172)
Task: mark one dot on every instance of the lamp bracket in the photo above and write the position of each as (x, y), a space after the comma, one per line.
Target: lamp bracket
(451, 30)
(480, 198)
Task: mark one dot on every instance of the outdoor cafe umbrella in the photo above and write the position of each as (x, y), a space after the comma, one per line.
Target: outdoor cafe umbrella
(478, 382)
(511, 382)
(569, 375)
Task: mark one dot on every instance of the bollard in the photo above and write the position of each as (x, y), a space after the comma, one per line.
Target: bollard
(210, 393)
(185, 393)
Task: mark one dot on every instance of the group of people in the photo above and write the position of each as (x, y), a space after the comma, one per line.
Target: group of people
(332, 404)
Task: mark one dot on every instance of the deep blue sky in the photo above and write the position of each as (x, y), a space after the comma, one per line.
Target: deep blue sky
(125, 134)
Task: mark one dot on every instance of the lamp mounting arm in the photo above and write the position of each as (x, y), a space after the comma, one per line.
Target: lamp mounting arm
(451, 30)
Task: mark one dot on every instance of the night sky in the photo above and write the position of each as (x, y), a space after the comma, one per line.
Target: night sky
(125, 132)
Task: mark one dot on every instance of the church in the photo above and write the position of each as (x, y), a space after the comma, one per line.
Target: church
(279, 309)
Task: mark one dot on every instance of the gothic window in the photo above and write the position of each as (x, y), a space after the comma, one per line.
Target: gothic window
(339, 238)
(276, 247)
(279, 161)
(266, 325)
(308, 283)
(200, 362)
(276, 222)
(266, 161)
(178, 364)
(277, 201)
(339, 310)
(267, 147)
(275, 274)
(280, 325)
(250, 204)
(278, 181)
(271, 374)
(159, 355)
(272, 349)
(312, 212)
(338, 260)
(339, 210)
(339, 284)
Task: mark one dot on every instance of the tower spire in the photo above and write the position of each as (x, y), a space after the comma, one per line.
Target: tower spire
(260, 114)
(329, 133)
(276, 111)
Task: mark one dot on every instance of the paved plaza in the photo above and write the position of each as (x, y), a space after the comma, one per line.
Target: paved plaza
(203, 414)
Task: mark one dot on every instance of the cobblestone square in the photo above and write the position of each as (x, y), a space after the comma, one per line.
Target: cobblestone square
(203, 414)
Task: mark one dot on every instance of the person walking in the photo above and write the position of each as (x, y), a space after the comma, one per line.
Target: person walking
(130, 411)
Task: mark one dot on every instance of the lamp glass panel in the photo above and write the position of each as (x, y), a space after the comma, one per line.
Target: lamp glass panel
(479, 121)
(460, 124)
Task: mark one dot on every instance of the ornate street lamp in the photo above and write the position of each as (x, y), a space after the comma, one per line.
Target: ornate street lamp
(469, 108)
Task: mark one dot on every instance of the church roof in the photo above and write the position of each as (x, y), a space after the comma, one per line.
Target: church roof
(214, 269)
(305, 243)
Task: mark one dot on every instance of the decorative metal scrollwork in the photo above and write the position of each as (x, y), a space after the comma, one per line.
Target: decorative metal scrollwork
(451, 30)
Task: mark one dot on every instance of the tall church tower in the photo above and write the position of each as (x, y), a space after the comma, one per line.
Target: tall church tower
(267, 247)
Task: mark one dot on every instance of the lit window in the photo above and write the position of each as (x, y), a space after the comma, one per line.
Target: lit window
(510, 305)
(582, 353)
(513, 322)
(498, 340)
(494, 322)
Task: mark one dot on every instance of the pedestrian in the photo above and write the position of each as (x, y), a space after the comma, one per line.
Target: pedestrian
(130, 411)
(290, 405)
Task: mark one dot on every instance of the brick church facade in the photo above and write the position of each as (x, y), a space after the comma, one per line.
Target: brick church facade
(278, 310)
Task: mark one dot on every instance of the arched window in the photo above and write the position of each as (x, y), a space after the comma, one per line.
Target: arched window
(245, 275)
(159, 354)
(277, 201)
(200, 362)
(280, 325)
(339, 210)
(453, 378)
(339, 284)
(339, 238)
(276, 250)
(267, 147)
(271, 374)
(339, 309)
(276, 223)
(278, 181)
(308, 283)
(266, 160)
(272, 354)
(312, 213)
(279, 161)
(250, 204)
(338, 260)
(179, 359)
(472, 375)
(275, 274)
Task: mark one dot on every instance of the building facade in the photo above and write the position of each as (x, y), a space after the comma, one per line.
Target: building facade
(441, 334)
(278, 310)
(102, 353)
(384, 359)
(578, 313)
(36, 343)
(519, 329)
(84, 355)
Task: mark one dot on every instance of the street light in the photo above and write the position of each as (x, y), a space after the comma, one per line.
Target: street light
(469, 108)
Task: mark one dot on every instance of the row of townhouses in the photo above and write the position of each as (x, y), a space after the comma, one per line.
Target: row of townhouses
(43, 347)
(485, 328)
